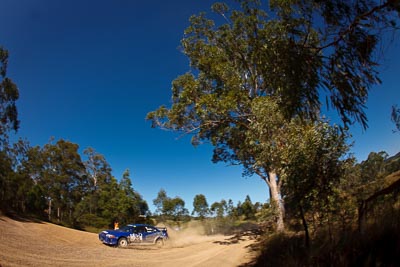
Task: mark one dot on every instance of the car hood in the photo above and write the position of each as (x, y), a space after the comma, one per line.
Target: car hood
(114, 232)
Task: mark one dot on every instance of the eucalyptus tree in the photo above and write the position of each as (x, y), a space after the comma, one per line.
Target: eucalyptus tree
(108, 200)
(23, 193)
(169, 207)
(175, 207)
(32, 166)
(14, 184)
(200, 206)
(264, 67)
(119, 201)
(97, 168)
(57, 174)
(316, 162)
(9, 94)
(99, 189)
(132, 202)
(229, 208)
(98, 175)
(63, 176)
(6, 173)
(248, 209)
(395, 116)
(8, 121)
(159, 201)
(219, 209)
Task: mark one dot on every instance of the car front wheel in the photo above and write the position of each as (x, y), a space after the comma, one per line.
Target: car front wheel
(122, 242)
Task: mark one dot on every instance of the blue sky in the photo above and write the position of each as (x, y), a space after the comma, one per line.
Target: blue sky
(90, 71)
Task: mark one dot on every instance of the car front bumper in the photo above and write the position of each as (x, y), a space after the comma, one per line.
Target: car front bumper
(106, 240)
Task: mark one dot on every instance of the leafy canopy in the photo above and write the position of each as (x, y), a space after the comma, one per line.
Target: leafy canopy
(294, 52)
(200, 205)
(9, 94)
(260, 75)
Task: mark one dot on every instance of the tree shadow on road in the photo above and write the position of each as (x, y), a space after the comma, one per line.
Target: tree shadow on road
(20, 218)
(248, 232)
(253, 233)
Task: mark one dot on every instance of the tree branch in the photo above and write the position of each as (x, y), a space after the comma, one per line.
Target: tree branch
(354, 24)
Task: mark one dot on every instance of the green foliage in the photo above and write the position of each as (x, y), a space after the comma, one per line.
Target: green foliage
(61, 175)
(8, 121)
(315, 165)
(9, 94)
(256, 82)
(6, 175)
(98, 176)
(245, 210)
(200, 206)
(35, 200)
(248, 209)
(396, 117)
(219, 209)
(229, 219)
(109, 200)
(131, 201)
(170, 208)
(92, 220)
(159, 201)
(288, 52)
(372, 173)
(267, 216)
(54, 180)
(393, 164)
(16, 186)
(175, 208)
(379, 247)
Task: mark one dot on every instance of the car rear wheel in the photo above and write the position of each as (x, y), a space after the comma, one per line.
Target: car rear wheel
(160, 242)
(122, 242)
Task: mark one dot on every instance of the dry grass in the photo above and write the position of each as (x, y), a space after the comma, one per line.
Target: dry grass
(379, 245)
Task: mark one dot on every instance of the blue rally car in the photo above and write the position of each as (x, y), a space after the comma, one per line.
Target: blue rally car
(134, 234)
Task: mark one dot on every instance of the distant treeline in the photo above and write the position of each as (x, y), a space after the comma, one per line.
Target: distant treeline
(54, 182)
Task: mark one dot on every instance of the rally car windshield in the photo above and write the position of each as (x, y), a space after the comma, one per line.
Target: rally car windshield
(125, 228)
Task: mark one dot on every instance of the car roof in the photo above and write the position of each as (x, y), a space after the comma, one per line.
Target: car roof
(139, 224)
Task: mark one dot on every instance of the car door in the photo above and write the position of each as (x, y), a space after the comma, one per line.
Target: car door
(149, 234)
(140, 232)
(133, 235)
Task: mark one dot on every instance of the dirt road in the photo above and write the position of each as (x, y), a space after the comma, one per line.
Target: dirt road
(27, 243)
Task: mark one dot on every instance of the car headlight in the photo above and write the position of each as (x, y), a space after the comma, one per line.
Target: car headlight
(110, 236)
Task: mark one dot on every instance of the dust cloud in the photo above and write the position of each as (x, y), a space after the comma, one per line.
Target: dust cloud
(187, 234)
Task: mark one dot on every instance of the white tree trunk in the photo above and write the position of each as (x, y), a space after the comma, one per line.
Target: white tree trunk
(50, 209)
(276, 201)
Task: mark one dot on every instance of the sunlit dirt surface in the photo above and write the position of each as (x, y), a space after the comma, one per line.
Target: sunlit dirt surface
(34, 243)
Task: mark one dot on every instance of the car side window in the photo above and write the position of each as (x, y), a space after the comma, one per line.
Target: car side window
(140, 229)
(126, 229)
(150, 229)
